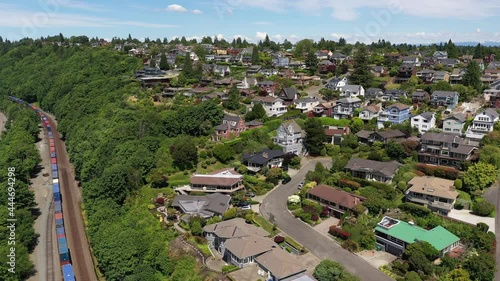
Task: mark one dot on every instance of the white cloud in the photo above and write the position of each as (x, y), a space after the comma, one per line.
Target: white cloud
(176, 8)
(478, 30)
(262, 22)
(79, 5)
(260, 35)
(219, 36)
(197, 12)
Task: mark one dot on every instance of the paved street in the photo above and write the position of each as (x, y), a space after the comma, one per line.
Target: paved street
(274, 209)
(493, 195)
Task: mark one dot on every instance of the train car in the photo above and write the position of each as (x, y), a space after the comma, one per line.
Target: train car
(53, 160)
(53, 155)
(59, 220)
(55, 175)
(54, 167)
(63, 251)
(60, 232)
(67, 272)
(56, 191)
(58, 207)
(53, 150)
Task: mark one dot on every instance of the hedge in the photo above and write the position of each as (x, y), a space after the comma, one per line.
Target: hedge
(415, 209)
(438, 171)
(337, 232)
(345, 183)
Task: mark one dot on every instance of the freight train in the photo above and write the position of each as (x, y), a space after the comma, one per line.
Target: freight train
(62, 243)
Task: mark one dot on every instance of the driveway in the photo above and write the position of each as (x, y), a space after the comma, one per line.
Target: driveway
(275, 210)
(324, 226)
(466, 216)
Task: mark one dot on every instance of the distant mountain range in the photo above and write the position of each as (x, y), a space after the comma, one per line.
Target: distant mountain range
(486, 43)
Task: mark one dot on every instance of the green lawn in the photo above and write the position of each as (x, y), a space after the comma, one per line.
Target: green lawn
(293, 243)
(203, 247)
(267, 226)
(464, 195)
(178, 179)
(392, 86)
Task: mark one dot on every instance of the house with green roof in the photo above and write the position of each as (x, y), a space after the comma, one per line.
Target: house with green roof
(394, 236)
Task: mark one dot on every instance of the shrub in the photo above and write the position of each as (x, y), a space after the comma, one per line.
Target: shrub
(325, 212)
(337, 232)
(160, 200)
(344, 183)
(229, 268)
(314, 217)
(279, 239)
(482, 227)
(414, 209)
(438, 171)
(350, 245)
(458, 184)
(402, 185)
(483, 208)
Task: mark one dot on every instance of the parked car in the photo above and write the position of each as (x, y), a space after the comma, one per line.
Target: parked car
(246, 207)
(250, 194)
(301, 185)
(286, 180)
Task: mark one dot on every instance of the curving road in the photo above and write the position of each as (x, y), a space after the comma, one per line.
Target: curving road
(81, 256)
(275, 210)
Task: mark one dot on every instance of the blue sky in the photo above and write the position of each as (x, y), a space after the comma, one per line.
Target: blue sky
(410, 21)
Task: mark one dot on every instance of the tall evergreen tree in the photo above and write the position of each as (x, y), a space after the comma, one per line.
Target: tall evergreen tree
(361, 74)
(451, 49)
(187, 68)
(129, 37)
(472, 76)
(164, 62)
(315, 136)
(233, 101)
(255, 56)
(312, 62)
(165, 40)
(478, 51)
(152, 62)
(1, 39)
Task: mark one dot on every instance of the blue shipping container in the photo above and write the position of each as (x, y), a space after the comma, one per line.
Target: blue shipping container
(52, 154)
(68, 274)
(57, 197)
(58, 207)
(60, 230)
(59, 222)
(54, 167)
(55, 175)
(63, 249)
(55, 188)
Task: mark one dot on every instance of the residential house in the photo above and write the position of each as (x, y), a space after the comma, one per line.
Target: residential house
(290, 136)
(369, 112)
(396, 114)
(445, 98)
(424, 121)
(324, 109)
(454, 123)
(437, 194)
(426, 75)
(440, 55)
(214, 204)
(385, 136)
(372, 170)
(445, 150)
(351, 91)
(243, 244)
(480, 62)
(273, 106)
(280, 62)
(405, 72)
(482, 124)
(246, 83)
(420, 96)
(326, 66)
(268, 72)
(467, 58)
(494, 100)
(215, 95)
(335, 135)
(336, 83)
(221, 70)
(338, 58)
(266, 158)
(306, 104)
(267, 86)
(393, 57)
(411, 60)
(254, 124)
(428, 62)
(379, 71)
(231, 126)
(254, 69)
(457, 76)
(441, 76)
(494, 65)
(374, 93)
(288, 95)
(490, 76)
(449, 62)
(344, 108)
(394, 236)
(393, 95)
(337, 201)
(322, 54)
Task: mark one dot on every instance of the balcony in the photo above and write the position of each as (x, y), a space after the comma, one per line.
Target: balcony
(441, 205)
(473, 135)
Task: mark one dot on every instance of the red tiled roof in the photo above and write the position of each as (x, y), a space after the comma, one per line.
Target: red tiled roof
(334, 195)
(333, 132)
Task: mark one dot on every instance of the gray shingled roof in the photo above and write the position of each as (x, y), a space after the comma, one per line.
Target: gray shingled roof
(459, 116)
(263, 157)
(387, 169)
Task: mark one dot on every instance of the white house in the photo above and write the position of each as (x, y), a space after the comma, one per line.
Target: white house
(369, 112)
(454, 123)
(351, 91)
(306, 104)
(424, 121)
(273, 106)
(482, 124)
(336, 83)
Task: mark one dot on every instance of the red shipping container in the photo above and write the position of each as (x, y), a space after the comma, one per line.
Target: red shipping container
(64, 263)
(61, 236)
(52, 149)
(53, 160)
(59, 216)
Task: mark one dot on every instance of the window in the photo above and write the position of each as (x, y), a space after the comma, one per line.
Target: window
(448, 129)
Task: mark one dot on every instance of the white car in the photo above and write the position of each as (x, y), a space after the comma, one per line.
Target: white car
(301, 185)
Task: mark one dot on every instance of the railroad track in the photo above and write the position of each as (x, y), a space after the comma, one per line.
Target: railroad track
(49, 244)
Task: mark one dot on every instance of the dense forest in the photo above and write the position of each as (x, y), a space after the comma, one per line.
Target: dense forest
(17, 150)
(115, 147)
